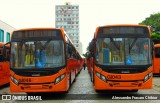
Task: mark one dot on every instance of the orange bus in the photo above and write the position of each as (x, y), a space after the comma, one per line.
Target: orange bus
(42, 60)
(156, 60)
(4, 63)
(122, 57)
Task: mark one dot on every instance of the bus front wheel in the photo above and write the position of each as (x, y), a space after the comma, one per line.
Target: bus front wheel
(136, 90)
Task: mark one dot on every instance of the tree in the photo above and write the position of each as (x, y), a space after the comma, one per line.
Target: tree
(156, 37)
(85, 55)
(154, 22)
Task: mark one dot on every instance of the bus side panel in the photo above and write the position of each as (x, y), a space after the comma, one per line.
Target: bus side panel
(77, 66)
(1, 74)
(4, 73)
(71, 69)
(156, 69)
(7, 67)
(80, 65)
(88, 64)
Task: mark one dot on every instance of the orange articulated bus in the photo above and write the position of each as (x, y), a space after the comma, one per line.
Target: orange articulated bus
(79, 64)
(122, 58)
(4, 63)
(156, 59)
(42, 60)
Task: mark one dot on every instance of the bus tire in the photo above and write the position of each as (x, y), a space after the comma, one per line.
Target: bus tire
(93, 77)
(136, 90)
(98, 91)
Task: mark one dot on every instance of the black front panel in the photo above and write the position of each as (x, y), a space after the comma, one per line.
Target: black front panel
(37, 72)
(124, 69)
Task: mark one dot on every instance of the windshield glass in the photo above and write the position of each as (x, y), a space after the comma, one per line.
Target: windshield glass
(123, 51)
(37, 54)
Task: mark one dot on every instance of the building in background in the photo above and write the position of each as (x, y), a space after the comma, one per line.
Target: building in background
(67, 17)
(5, 32)
(80, 48)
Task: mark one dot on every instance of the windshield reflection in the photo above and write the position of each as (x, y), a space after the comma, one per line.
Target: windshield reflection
(37, 54)
(123, 51)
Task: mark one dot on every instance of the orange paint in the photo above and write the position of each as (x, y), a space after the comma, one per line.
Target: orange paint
(156, 59)
(4, 64)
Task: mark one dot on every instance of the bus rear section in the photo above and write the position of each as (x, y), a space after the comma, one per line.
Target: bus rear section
(122, 58)
(4, 64)
(156, 59)
(39, 62)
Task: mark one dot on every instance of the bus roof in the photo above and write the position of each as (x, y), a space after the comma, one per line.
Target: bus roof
(124, 25)
(37, 29)
(1, 44)
(157, 45)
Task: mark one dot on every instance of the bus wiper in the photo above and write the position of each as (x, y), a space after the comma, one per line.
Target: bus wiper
(114, 43)
(44, 46)
(133, 43)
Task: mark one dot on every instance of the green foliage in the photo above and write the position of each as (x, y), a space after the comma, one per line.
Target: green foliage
(154, 22)
(156, 37)
(85, 55)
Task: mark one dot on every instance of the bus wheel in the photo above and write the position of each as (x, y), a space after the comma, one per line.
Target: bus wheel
(93, 77)
(136, 90)
(69, 83)
(99, 91)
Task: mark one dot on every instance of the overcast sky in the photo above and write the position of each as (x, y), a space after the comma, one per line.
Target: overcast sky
(93, 13)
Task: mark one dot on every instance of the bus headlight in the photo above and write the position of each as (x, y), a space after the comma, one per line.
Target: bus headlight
(102, 77)
(62, 76)
(98, 74)
(15, 81)
(148, 76)
(58, 79)
(12, 78)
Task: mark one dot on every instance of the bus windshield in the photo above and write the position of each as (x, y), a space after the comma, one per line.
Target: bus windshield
(123, 51)
(37, 54)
